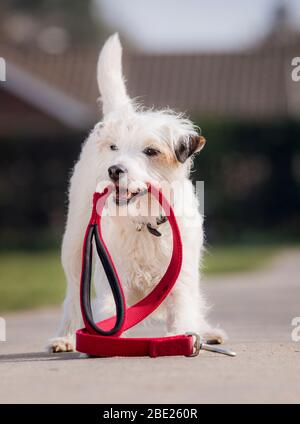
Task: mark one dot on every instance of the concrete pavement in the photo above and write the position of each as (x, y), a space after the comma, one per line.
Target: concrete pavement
(256, 309)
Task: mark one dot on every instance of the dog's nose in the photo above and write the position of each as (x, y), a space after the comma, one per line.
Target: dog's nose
(115, 172)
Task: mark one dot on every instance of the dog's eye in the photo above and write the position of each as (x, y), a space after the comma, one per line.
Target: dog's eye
(113, 147)
(150, 151)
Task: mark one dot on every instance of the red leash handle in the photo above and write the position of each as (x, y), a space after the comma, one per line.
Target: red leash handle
(103, 338)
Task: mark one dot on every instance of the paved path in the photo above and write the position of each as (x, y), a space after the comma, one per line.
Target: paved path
(256, 310)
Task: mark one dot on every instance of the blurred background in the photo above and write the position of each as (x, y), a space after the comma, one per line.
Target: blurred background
(227, 64)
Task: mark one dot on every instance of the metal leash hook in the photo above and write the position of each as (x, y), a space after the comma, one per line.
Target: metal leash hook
(199, 345)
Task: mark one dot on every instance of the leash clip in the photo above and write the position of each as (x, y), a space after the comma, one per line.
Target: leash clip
(197, 343)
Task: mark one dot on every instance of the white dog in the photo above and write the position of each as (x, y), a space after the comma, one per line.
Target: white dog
(137, 146)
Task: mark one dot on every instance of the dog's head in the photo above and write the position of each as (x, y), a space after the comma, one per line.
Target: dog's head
(138, 146)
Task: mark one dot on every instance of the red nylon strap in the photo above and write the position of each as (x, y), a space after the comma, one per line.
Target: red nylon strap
(90, 342)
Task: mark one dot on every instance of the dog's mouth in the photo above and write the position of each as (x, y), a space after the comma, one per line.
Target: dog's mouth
(123, 196)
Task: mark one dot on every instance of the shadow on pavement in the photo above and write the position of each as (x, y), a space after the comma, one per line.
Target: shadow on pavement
(40, 356)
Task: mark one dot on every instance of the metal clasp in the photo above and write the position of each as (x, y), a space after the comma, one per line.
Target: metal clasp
(197, 343)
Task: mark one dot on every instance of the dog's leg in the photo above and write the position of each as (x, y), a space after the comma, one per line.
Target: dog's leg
(78, 216)
(71, 318)
(186, 306)
(186, 311)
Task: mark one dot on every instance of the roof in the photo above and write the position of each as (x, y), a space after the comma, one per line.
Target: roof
(58, 84)
(255, 84)
(216, 85)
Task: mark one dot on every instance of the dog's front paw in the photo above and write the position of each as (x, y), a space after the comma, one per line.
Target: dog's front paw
(62, 344)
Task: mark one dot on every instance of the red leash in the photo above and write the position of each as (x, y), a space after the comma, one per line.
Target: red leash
(103, 338)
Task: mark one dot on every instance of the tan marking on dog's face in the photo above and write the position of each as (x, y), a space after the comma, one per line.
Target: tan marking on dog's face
(164, 157)
(202, 142)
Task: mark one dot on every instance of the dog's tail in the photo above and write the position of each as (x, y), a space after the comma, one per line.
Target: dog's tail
(110, 76)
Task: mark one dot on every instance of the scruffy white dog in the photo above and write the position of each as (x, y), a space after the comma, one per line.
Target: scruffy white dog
(137, 146)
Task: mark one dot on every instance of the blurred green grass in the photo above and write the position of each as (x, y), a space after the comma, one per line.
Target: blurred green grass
(35, 279)
(231, 259)
(30, 280)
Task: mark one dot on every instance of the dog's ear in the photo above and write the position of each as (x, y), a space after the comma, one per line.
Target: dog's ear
(187, 148)
(110, 77)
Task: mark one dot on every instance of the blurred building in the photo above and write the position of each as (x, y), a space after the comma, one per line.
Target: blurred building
(49, 103)
(254, 84)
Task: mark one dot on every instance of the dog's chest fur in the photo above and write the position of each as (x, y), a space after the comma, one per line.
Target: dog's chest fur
(140, 257)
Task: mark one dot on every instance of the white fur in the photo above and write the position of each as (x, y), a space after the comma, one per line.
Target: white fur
(140, 257)
(110, 77)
